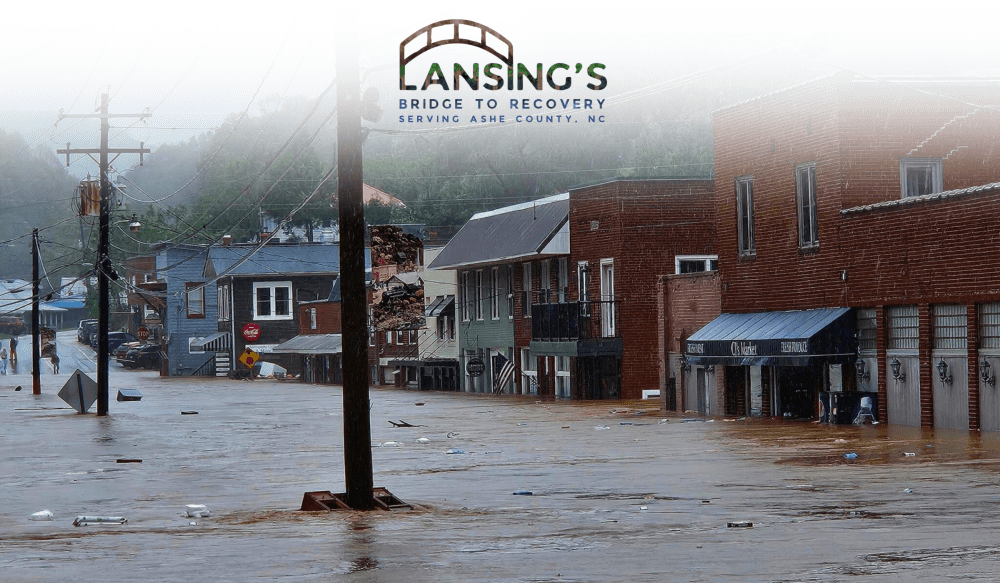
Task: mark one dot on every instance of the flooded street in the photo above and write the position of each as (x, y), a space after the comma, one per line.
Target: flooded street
(614, 496)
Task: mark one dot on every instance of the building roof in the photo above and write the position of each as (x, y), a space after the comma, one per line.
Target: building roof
(311, 344)
(254, 260)
(911, 200)
(531, 229)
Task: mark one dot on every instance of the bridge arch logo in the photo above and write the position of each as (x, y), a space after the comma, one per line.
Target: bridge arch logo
(558, 76)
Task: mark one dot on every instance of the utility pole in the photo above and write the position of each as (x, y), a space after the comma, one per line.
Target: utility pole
(358, 476)
(36, 378)
(103, 264)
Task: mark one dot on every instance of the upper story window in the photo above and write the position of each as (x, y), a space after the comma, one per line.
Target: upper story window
(526, 293)
(695, 263)
(919, 176)
(272, 300)
(563, 279)
(312, 318)
(223, 301)
(195, 293)
(744, 215)
(805, 196)
(545, 282)
(495, 294)
(510, 292)
(479, 294)
(468, 296)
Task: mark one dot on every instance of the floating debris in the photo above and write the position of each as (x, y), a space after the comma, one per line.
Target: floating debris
(850, 456)
(455, 451)
(740, 524)
(85, 520)
(908, 454)
(41, 515)
(522, 493)
(452, 434)
(600, 427)
(197, 511)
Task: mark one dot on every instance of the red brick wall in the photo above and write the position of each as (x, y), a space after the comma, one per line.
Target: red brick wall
(327, 318)
(856, 133)
(642, 225)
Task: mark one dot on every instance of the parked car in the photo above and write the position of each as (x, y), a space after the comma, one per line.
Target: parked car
(115, 339)
(123, 348)
(142, 356)
(84, 329)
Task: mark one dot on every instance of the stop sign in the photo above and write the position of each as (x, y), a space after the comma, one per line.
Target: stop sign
(142, 333)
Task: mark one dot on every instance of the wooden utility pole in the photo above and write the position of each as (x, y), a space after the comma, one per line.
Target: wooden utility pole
(358, 475)
(103, 264)
(36, 371)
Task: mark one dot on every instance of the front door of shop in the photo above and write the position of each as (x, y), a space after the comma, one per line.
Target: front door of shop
(703, 400)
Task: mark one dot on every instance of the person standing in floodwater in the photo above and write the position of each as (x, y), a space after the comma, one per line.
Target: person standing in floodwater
(55, 363)
(3, 359)
(13, 350)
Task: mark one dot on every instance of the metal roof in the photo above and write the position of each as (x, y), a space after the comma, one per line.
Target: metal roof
(513, 232)
(312, 344)
(768, 325)
(440, 306)
(274, 260)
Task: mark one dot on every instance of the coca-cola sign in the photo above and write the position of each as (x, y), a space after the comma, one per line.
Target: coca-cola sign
(251, 332)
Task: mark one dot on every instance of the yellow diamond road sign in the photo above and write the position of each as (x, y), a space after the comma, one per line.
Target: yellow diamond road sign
(249, 358)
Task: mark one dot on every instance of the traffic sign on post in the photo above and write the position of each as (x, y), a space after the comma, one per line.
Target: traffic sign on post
(79, 392)
(142, 333)
(249, 358)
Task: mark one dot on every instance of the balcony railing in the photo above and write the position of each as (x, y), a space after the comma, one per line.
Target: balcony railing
(574, 321)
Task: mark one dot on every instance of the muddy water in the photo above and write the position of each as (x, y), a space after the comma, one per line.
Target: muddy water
(615, 496)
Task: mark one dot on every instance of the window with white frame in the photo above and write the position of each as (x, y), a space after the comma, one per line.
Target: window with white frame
(529, 376)
(563, 279)
(744, 215)
(442, 327)
(904, 328)
(920, 176)
(695, 263)
(989, 325)
(495, 294)
(545, 282)
(526, 287)
(468, 296)
(224, 304)
(195, 295)
(479, 294)
(192, 341)
(562, 377)
(312, 318)
(951, 327)
(272, 300)
(583, 286)
(510, 292)
(805, 195)
(867, 330)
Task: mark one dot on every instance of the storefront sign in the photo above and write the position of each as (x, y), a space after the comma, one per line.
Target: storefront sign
(251, 332)
(743, 348)
(476, 367)
(795, 347)
(696, 348)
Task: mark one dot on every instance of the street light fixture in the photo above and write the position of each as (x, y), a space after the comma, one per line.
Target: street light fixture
(899, 376)
(986, 373)
(134, 225)
(942, 368)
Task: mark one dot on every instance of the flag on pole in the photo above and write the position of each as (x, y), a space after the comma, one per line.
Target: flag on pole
(506, 371)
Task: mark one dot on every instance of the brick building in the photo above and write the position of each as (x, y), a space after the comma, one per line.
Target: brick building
(624, 235)
(851, 210)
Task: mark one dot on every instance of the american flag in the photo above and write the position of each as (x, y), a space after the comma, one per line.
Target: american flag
(506, 368)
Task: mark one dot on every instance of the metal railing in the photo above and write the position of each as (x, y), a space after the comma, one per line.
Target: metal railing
(575, 321)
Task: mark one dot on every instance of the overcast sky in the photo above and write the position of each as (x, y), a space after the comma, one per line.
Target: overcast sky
(191, 63)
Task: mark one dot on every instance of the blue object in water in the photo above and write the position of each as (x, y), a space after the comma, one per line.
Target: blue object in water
(850, 456)
(522, 493)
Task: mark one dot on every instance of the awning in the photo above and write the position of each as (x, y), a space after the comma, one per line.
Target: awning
(312, 344)
(441, 306)
(220, 342)
(796, 338)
